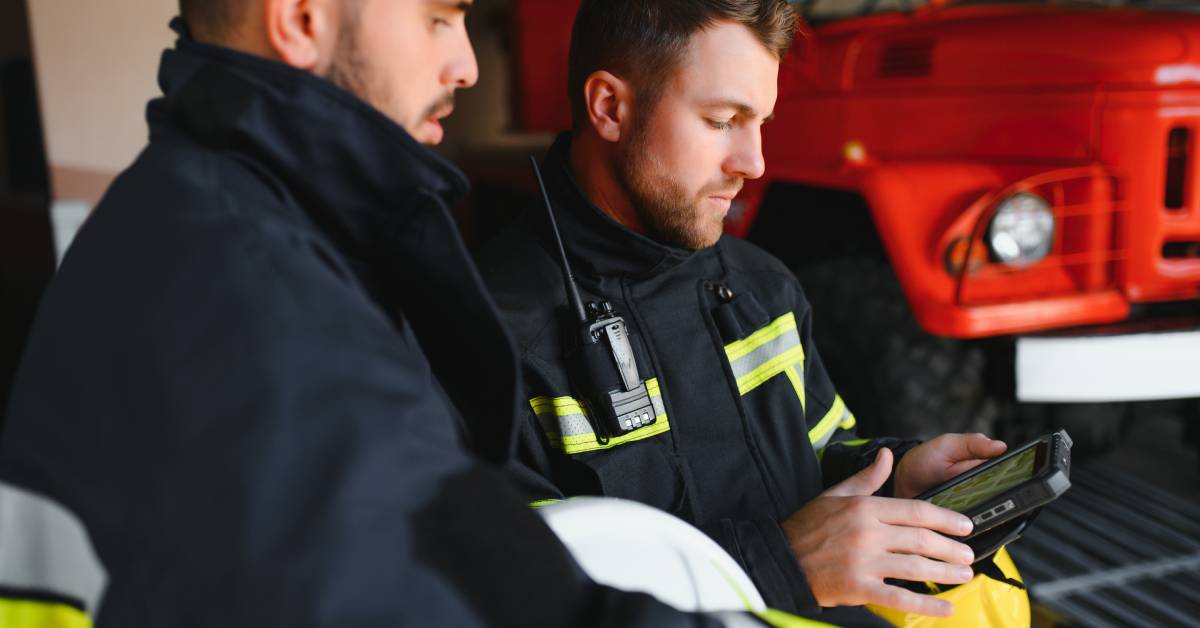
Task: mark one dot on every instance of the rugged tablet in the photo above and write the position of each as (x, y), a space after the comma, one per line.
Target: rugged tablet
(1007, 489)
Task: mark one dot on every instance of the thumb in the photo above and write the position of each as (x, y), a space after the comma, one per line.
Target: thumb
(867, 481)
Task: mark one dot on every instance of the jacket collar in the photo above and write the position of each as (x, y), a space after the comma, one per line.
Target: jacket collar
(333, 152)
(597, 244)
(372, 187)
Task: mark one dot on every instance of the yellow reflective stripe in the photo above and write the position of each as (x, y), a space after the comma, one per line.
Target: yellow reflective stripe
(770, 615)
(562, 406)
(820, 434)
(564, 420)
(777, 328)
(566, 406)
(37, 614)
(588, 442)
(543, 502)
(770, 368)
(797, 385)
(733, 585)
(768, 352)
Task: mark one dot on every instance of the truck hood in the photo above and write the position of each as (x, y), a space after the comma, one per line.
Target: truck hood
(1016, 46)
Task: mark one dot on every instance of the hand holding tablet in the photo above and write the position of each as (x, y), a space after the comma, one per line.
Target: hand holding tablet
(1003, 494)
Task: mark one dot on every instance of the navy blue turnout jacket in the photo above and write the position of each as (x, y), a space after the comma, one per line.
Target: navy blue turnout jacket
(259, 371)
(749, 426)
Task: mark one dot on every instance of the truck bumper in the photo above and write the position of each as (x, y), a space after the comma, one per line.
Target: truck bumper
(1124, 367)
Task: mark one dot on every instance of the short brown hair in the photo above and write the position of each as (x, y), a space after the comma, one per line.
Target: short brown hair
(210, 20)
(642, 41)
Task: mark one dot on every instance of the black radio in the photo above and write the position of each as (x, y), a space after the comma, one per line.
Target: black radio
(616, 404)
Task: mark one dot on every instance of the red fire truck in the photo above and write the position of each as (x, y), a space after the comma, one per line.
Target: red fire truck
(990, 204)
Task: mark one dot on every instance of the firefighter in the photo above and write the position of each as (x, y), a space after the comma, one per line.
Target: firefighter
(749, 439)
(246, 379)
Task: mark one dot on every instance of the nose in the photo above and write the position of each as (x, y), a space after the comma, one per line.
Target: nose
(746, 159)
(462, 71)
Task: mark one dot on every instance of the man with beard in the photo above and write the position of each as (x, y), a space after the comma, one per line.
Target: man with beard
(253, 375)
(742, 433)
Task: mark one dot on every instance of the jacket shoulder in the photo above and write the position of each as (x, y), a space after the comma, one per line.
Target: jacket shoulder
(743, 257)
(176, 181)
(524, 279)
(185, 215)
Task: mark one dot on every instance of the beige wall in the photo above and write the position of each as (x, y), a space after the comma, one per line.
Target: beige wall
(96, 64)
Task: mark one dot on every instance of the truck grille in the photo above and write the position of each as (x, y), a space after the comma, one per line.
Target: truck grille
(1179, 148)
(906, 59)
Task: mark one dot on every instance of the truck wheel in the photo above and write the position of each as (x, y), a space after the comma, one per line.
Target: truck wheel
(898, 380)
(1191, 423)
(1095, 428)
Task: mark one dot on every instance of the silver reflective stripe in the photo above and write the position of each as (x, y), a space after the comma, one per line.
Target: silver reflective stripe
(574, 425)
(839, 416)
(563, 416)
(656, 402)
(746, 364)
(566, 425)
(44, 547)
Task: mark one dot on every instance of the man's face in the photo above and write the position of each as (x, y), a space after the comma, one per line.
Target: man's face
(688, 155)
(406, 58)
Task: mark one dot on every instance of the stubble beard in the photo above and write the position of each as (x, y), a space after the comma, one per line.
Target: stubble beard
(351, 70)
(667, 212)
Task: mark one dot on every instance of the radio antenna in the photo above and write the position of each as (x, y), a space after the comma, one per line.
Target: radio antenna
(568, 278)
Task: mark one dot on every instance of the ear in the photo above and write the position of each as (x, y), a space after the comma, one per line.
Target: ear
(609, 104)
(303, 33)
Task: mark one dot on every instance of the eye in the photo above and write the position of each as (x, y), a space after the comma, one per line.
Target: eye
(440, 21)
(720, 125)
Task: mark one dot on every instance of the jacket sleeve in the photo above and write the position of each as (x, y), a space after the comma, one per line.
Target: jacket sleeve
(761, 548)
(292, 466)
(758, 545)
(831, 424)
(531, 468)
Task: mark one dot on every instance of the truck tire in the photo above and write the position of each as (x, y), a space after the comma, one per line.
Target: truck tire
(897, 379)
(1095, 428)
(1191, 424)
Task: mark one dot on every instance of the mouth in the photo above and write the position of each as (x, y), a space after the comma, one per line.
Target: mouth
(728, 193)
(725, 197)
(721, 204)
(443, 107)
(432, 128)
(435, 120)
(431, 125)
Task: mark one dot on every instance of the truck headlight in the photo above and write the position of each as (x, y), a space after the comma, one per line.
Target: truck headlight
(1022, 232)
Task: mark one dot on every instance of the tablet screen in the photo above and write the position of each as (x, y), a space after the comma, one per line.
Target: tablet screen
(990, 483)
